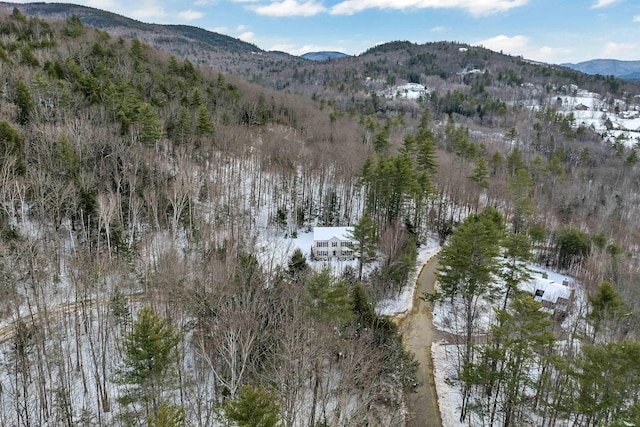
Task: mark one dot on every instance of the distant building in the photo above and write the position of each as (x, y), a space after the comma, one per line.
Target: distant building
(332, 243)
(581, 107)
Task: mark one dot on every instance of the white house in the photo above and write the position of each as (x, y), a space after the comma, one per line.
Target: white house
(332, 243)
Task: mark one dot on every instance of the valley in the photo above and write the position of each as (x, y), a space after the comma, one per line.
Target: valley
(159, 188)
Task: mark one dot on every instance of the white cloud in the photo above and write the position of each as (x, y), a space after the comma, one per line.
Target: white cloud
(636, 18)
(246, 36)
(221, 30)
(474, 7)
(438, 29)
(204, 2)
(521, 46)
(241, 28)
(290, 8)
(149, 13)
(550, 55)
(624, 51)
(512, 45)
(103, 4)
(603, 3)
(190, 15)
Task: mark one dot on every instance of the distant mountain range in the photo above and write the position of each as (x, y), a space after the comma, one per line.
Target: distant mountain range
(629, 70)
(323, 56)
(396, 61)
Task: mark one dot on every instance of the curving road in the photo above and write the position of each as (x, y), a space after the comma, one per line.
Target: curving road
(8, 331)
(418, 333)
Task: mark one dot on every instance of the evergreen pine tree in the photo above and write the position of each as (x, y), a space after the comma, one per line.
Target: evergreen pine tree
(426, 146)
(469, 264)
(521, 187)
(496, 163)
(298, 267)
(10, 145)
(517, 252)
(607, 310)
(330, 299)
(150, 124)
(381, 143)
(255, 407)
(150, 353)
(480, 173)
(204, 124)
(168, 416)
(515, 161)
(521, 333)
(365, 236)
(25, 104)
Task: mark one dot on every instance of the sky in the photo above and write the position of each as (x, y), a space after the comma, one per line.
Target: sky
(553, 31)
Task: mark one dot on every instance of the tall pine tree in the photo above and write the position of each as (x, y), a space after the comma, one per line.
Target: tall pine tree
(150, 354)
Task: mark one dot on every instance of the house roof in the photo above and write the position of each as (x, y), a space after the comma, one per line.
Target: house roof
(552, 290)
(328, 233)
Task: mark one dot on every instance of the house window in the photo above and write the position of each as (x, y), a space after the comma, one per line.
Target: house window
(344, 244)
(334, 244)
(323, 244)
(538, 295)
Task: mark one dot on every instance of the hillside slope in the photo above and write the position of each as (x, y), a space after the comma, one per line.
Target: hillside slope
(200, 46)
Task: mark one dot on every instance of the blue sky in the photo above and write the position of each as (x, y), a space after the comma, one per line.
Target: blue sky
(552, 31)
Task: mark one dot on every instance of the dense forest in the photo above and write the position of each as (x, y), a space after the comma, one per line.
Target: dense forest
(143, 194)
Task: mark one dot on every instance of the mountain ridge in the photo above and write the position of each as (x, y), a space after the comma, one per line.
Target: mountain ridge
(629, 70)
(323, 55)
(393, 61)
(108, 20)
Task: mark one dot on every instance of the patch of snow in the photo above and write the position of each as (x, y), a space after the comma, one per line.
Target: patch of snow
(445, 376)
(411, 91)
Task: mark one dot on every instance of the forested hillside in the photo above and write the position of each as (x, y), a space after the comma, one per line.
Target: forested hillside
(134, 189)
(147, 204)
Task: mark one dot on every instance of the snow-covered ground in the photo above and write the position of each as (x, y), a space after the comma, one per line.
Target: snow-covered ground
(445, 360)
(412, 91)
(449, 318)
(445, 355)
(590, 110)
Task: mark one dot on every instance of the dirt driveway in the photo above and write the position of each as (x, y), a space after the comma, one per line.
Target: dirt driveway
(418, 334)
